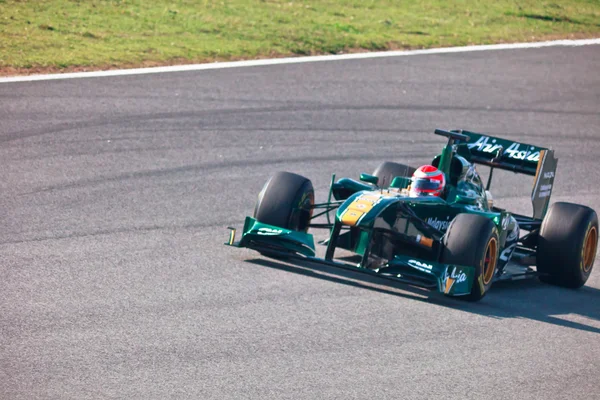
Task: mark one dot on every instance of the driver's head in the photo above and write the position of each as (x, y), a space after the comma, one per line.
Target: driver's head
(427, 181)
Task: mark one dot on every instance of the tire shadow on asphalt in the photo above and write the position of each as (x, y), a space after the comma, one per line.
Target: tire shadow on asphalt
(526, 298)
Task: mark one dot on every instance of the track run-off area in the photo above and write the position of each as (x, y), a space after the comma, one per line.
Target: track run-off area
(116, 194)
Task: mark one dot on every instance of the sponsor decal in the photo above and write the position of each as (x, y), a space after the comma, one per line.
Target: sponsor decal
(545, 191)
(459, 276)
(440, 225)
(548, 175)
(269, 231)
(456, 276)
(361, 206)
(485, 144)
(420, 265)
(516, 151)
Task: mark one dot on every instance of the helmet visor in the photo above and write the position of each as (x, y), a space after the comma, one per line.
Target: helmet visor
(422, 184)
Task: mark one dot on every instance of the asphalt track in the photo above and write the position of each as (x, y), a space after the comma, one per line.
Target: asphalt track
(116, 193)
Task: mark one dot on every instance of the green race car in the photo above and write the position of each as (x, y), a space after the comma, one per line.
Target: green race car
(456, 243)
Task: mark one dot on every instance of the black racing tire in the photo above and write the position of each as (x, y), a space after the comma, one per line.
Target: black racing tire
(567, 245)
(388, 170)
(472, 240)
(286, 201)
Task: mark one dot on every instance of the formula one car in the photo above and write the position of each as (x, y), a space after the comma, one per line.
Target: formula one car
(457, 243)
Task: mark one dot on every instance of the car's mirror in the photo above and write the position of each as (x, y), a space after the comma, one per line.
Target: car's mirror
(369, 178)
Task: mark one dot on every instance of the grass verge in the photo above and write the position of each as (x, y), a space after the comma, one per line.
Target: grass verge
(55, 35)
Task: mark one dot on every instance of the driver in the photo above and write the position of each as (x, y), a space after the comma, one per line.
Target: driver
(427, 181)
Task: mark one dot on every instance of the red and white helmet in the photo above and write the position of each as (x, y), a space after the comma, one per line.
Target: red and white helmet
(427, 181)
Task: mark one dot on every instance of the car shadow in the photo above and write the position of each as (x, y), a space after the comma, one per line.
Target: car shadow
(526, 298)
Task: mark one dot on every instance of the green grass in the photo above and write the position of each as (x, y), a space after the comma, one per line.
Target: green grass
(70, 34)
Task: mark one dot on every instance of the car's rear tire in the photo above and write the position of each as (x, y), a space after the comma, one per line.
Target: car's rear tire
(286, 201)
(567, 245)
(472, 241)
(387, 171)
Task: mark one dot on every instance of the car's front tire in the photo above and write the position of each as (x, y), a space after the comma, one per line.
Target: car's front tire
(286, 201)
(472, 240)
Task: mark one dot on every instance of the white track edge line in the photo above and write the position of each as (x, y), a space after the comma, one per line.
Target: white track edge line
(297, 60)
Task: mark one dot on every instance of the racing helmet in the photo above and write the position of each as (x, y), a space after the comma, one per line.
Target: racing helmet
(427, 181)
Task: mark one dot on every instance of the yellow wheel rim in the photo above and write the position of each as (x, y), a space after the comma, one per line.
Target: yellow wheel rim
(489, 261)
(589, 249)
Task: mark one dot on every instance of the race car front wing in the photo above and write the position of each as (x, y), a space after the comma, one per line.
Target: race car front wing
(452, 280)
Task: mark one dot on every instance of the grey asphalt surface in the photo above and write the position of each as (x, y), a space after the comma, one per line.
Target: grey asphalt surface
(115, 195)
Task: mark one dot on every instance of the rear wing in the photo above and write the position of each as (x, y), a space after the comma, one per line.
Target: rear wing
(521, 158)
